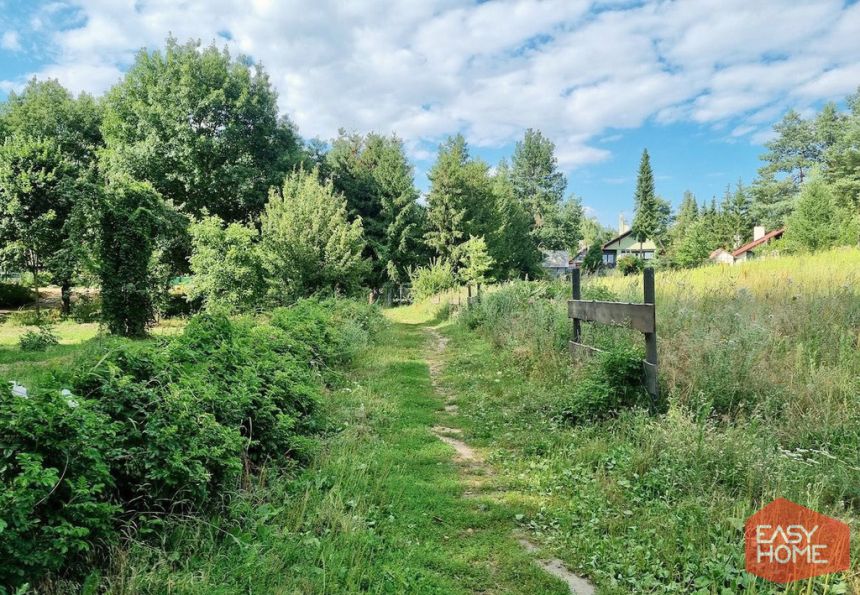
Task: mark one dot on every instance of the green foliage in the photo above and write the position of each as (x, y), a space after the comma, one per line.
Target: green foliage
(201, 127)
(561, 226)
(611, 381)
(129, 221)
(164, 428)
(593, 260)
(461, 201)
(13, 295)
(475, 261)
(39, 339)
(433, 278)
(308, 245)
(375, 176)
(87, 309)
(226, 265)
(647, 218)
(55, 508)
(513, 249)
(698, 242)
(538, 184)
(815, 222)
(630, 264)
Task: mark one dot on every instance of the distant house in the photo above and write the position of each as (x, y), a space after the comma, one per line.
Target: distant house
(747, 251)
(624, 244)
(556, 262)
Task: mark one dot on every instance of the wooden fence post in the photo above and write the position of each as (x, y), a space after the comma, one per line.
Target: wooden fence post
(650, 340)
(479, 292)
(576, 294)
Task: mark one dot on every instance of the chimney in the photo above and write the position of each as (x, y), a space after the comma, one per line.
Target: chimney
(758, 232)
(622, 226)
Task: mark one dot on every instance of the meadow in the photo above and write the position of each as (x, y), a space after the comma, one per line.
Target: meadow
(760, 374)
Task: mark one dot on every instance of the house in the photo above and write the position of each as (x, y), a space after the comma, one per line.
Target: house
(556, 262)
(747, 251)
(624, 244)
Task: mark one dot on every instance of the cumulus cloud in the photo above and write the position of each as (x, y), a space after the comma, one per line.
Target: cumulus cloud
(572, 68)
(9, 41)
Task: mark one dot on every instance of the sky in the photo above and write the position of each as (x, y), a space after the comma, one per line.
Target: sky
(698, 82)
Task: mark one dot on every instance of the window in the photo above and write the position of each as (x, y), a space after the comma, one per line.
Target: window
(608, 258)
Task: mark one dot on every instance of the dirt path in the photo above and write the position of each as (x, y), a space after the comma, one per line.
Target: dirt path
(475, 472)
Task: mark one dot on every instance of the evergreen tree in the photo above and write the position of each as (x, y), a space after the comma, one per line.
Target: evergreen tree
(646, 217)
(537, 183)
(814, 223)
(513, 251)
(376, 178)
(688, 213)
(475, 261)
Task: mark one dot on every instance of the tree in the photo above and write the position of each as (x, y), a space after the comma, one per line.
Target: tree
(688, 213)
(511, 246)
(461, 201)
(202, 128)
(647, 216)
(129, 222)
(561, 229)
(593, 260)
(696, 245)
(375, 177)
(226, 265)
(734, 222)
(814, 223)
(38, 188)
(307, 243)
(475, 261)
(51, 184)
(794, 150)
(842, 158)
(537, 183)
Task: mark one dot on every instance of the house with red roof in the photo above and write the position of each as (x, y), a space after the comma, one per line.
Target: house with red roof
(747, 251)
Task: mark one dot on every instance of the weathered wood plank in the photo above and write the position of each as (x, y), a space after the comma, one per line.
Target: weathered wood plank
(636, 316)
(580, 350)
(651, 379)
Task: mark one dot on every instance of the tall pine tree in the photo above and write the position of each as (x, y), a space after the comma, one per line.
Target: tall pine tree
(646, 217)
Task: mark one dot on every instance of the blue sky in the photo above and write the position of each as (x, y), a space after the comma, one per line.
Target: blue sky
(699, 82)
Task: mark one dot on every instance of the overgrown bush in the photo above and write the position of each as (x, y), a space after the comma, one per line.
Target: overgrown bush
(436, 277)
(39, 339)
(630, 264)
(156, 428)
(34, 317)
(13, 295)
(87, 309)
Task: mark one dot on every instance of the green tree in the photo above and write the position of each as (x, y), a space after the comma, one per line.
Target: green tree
(376, 178)
(735, 222)
(561, 229)
(593, 260)
(814, 224)
(475, 261)
(537, 183)
(688, 213)
(308, 244)
(843, 156)
(513, 251)
(461, 201)
(202, 128)
(130, 219)
(226, 265)
(794, 150)
(647, 215)
(696, 245)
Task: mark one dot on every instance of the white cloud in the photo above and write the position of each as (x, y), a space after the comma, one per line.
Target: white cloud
(428, 69)
(9, 41)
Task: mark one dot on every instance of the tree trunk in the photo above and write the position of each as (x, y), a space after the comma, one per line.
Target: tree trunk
(66, 297)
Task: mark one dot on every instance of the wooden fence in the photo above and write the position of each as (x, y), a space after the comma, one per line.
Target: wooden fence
(640, 317)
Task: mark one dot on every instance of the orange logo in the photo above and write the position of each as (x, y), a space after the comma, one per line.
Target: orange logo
(788, 542)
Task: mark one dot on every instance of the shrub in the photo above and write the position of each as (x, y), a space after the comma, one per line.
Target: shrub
(54, 505)
(13, 295)
(166, 427)
(434, 278)
(87, 309)
(630, 265)
(610, 381)
(38, 340)
(33, 317)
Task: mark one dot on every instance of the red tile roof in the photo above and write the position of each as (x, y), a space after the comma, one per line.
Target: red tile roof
(762, 240)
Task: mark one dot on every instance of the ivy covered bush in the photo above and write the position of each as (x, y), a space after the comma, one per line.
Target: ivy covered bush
(138, 430)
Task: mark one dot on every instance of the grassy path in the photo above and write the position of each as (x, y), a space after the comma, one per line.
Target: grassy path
(386, 506)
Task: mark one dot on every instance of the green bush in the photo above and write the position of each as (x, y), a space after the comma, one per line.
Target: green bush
(166, 427)
(33, 317)
(38, 340)
(87, 309)
(630, 265)
(610, 381)
(13, 295)
(434, 278)
(55, 505)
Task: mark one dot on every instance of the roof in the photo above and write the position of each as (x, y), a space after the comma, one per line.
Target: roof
(555, 259)
(717, 251)
(619, 237)
(756, 243)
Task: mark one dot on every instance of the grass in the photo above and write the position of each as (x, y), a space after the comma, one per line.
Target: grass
(761, 371)
(378, 511)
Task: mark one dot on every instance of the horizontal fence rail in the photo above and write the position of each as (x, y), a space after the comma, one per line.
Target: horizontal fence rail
(639, 317)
